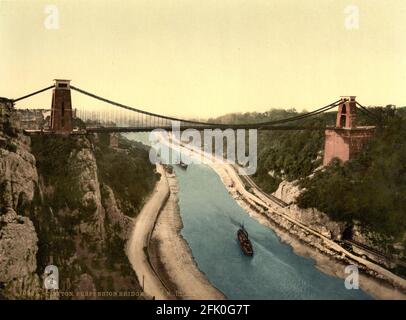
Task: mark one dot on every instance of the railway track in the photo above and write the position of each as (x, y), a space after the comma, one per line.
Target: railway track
(248, 181)
(270, 197)
(375, 252)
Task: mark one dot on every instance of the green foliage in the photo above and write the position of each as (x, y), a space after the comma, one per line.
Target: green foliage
(58, 212)
(370, 188)
(53, 153)
(10, 146)
(285, 154)
(128, 172)
(9, 129)
(104, 139)
(114, 252)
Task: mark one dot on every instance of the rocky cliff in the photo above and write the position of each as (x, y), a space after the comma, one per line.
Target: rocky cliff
(18, 238)
(322, 223)
(319, 221)
(57, 208)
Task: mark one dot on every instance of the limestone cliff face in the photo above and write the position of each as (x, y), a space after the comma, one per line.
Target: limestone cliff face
(18, 238)
(18, 174)
(319, 221)
(287, 191)
(54, 209)
(83, 163)
(114, 215)
(82, 230)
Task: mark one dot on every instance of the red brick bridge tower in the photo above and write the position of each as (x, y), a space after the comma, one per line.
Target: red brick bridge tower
(61, 110)
(346, 139)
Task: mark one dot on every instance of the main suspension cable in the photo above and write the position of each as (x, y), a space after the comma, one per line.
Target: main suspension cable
(294, 118)
(305, 115)
(368, 112)
(33, 94)
(135, 109)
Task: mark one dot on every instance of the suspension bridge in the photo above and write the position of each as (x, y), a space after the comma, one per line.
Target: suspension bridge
(138, 120)
(342, 141)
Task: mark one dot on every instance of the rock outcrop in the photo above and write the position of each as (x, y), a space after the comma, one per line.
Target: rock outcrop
(83, 162)
(18, 238)
(114, 215)
(287, 191)
(82, 229)
(54, 209)
(318, 221)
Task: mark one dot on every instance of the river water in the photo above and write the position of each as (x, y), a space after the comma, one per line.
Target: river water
(211, 218)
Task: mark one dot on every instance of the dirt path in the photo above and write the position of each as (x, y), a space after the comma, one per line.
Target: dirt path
(140, 236)
(160, 256)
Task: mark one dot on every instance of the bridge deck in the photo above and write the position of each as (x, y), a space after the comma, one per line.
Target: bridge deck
(170, 128)
(199, 127)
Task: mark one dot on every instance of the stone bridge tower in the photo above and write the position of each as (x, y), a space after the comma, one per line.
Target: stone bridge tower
(346, 139)
(61, 110)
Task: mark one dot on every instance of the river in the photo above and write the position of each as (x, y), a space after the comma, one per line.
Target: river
(211, 218)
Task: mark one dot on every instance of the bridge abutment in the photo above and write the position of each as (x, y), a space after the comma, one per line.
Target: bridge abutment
(346, 139)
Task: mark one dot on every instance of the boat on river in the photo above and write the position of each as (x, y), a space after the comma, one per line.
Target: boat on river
(182, 165)
(245, 243)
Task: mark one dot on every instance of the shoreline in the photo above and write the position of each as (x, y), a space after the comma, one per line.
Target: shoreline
(377, 288)
(176, 270)
(172, 256)
(328, 256)
(159, 255)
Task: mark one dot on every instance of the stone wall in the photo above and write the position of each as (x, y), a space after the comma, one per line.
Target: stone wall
(344, 144)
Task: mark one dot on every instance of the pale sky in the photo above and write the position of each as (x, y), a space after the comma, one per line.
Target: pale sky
(206, 57)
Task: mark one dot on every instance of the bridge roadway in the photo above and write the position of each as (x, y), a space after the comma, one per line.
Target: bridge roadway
(198, 127)
(170, 128)
(102, 129)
